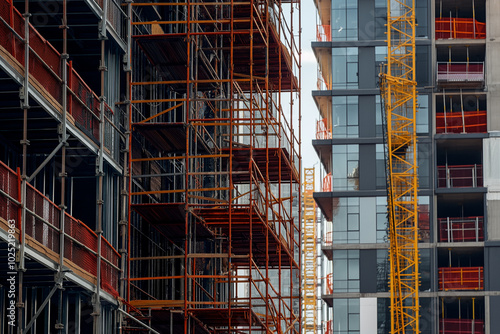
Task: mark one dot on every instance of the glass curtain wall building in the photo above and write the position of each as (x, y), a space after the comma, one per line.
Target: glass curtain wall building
(458, 145)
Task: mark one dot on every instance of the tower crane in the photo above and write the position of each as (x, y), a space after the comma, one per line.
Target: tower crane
(309, 266)
(399, 98)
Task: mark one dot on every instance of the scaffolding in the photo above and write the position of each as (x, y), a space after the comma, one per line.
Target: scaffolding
(214, 154)
(398, 91)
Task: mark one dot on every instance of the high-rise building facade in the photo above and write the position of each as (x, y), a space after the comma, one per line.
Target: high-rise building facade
(457, 152)
(149, 166)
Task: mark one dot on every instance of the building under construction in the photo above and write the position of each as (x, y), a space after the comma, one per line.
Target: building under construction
(149, 173)
(457, 127)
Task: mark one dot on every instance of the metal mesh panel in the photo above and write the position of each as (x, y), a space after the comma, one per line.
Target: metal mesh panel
(462, 278)
(461, 326)
(460, 28)
(9, 182)
(468, 122)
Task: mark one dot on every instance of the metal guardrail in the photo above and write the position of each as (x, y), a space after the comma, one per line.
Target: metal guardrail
(460, 72)
(43, 225)
(460, 176)
(452, 28)
(45, 68)
(461, 229)
(461, 278)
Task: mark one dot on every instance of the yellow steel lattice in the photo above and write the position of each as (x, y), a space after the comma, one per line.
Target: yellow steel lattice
(309, 252)
(398, 90)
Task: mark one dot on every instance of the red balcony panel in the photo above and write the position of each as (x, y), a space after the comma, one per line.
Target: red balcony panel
(328, 327)
(461, 326)
(327, 183)
(461, 229)
(458, 72)
(329, 284)
(424, 223)
(43, 223)
(460, 278)
(458, 122)
(460, 28)
(460, 176)
(323, 33)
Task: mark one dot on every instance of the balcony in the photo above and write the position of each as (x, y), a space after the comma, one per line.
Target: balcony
(467, 229)
(43, 229)
(461, 122)
(461, 74)
(460, 28)
(461, 278)
(461, 326)
(460, 176)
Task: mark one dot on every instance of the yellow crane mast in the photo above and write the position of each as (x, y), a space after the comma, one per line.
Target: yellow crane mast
(309, 267)
(398, 91)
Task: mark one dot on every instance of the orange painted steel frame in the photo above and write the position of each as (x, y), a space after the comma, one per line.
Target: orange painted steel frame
(309, 276)
(251, 140)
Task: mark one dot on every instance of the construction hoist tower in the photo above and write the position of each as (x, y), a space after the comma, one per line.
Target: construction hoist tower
(398, 91)
(309, 267)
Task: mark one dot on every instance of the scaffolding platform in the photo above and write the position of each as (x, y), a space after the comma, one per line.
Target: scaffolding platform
(220, 317)
(238, 222)
(169, 219)
(278, 160)
(169, 137)
(169, 53)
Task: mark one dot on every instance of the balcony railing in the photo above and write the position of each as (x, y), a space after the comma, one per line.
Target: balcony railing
(452, 28)
(328, 327)
(43, 226)
(45, 67)
(461, 122)
(461, 326)
(328, 239)
(322, 83)
(329, 284)
(460, 176)
(323, 130)
(461, 229)
(323, 33)
(460, 72)
(327, 183)
(460, 278)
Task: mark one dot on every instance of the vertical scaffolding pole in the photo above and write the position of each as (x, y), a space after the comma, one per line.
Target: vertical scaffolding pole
(100, 170)
(231, 138)
(187, 241)
(63, 174)
(24, 142)
(124, 194)
(252, 142)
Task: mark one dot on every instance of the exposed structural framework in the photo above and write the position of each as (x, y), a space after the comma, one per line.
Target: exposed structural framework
(309, 267)
(214, 223)
(55, 131)
(398, 89)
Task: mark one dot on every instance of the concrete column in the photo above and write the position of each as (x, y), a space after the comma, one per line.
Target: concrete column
(492, 68)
